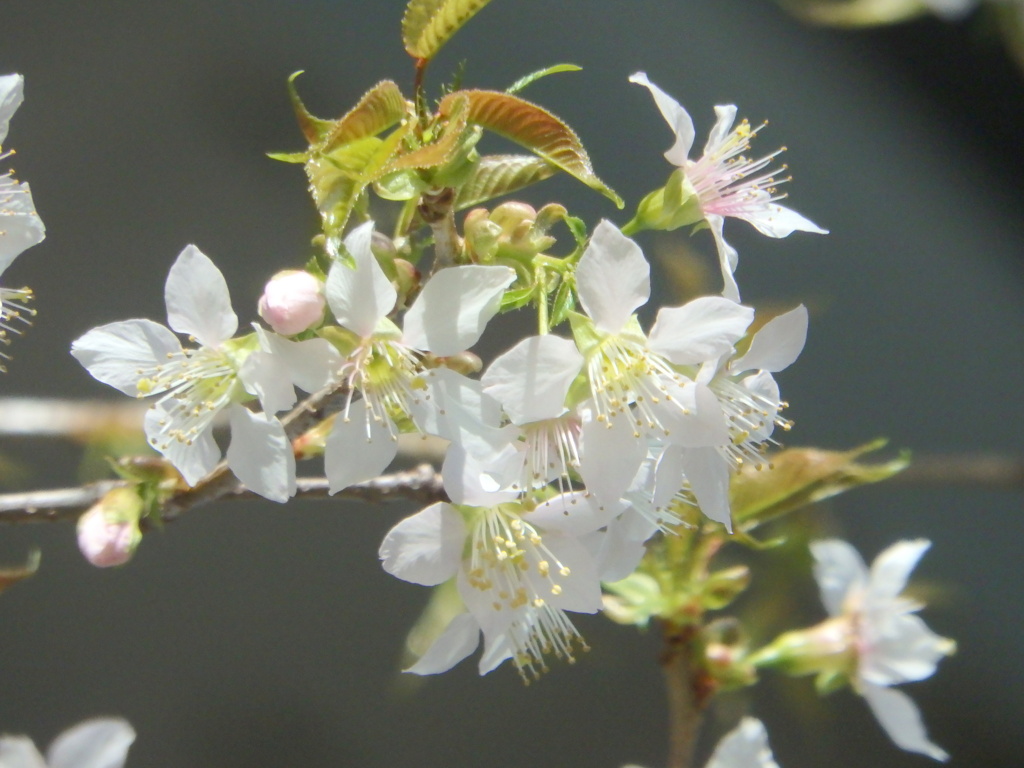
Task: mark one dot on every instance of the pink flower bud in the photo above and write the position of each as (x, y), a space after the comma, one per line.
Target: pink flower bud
(108, 533)
(292, 302)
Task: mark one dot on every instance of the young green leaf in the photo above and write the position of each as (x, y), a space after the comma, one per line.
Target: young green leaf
(533, 77)
(534, 128)
(429, 24)
(497, 175)
(379, 108)
(313, 128)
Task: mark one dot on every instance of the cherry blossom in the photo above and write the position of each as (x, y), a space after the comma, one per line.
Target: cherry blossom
(98, 743)
(725, 182)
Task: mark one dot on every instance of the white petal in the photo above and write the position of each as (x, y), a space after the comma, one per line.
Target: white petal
(678, 120)
(901, 719)
(262, 375)
(425, 548)
(613, 278)
(892, 567)
(669, 478)
(581, 588)
(20, 225)
(194, 459)
(616, 553)
(357, 450)
(727, 257)
(12, 93)
(777, 221)
(532, 379)
(574, 514)
(838, 569)
(746, 746)
(906, 650)
(310, 364)
(100, 743)
(198, 302)
(725, 116)
(19, 752)
(691, 414)
(478, 478)
(452, 404)
(360, 297)
(700, 330)
(261, 455)
(115, 353)
(777, 345)
(609, 459)
(708, 474)
(451, 312)
(459, 639)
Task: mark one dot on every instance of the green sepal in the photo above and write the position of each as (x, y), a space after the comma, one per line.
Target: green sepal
(829, 681)
(634, 600)
(584, 332)
(667, 208)
(289, 157)
(563, 303)
(722, 587)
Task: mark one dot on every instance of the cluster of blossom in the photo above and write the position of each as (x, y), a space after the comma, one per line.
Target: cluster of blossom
(20, 225)
(565, 456)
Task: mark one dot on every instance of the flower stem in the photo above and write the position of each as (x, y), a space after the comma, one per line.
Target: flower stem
(686, 695)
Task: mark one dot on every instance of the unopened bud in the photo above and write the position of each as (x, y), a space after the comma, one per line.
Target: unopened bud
(108, 532)
(829, 647)
(292, 302)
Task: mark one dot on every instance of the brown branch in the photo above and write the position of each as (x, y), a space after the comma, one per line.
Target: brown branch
(422, 484)
(687, 693)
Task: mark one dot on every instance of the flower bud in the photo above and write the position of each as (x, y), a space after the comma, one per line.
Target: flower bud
(292, 302)
(828, 648)
(513, 230)
(108, 532)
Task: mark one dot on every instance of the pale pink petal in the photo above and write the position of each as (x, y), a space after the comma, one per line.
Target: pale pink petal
(115, 353)
(99, 743)
(451, 312)
(777, 345)
(532, 379)
(198, 302)
(725, 116)
(678, 120)
(360, 298)
(425, 548)
(613, 278)
(901, 719)
(261, 455)
(700, 330)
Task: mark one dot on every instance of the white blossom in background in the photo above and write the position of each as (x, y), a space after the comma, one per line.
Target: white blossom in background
(745, 746)
(890, 644)
(386, 363)
(20, 225)
(142, 358)
(726, 182)
(98, 743)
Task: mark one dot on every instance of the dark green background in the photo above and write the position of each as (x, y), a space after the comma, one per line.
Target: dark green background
(252, 635)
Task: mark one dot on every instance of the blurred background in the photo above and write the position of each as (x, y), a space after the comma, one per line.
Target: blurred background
(251, 635)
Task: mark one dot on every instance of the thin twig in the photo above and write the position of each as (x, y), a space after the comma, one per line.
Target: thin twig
(422, 484)
(687, 696)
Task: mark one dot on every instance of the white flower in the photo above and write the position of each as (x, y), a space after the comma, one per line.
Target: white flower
(98, 743)
(891, 645)
(20, 225)
(745, 746)
(386, 362)
(726, 182)
(140, 358)
(644, 388)
(518, 571)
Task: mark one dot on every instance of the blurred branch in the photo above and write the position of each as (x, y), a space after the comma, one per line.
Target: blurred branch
(422, 483)
(997, 471)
